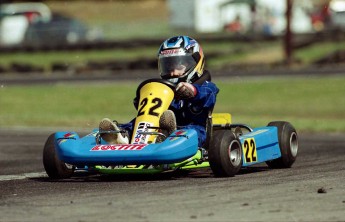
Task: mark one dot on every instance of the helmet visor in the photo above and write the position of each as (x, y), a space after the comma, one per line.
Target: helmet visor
(175, 64)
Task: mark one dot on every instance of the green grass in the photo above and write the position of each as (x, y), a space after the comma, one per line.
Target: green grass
(232, 54)
(319, 50)
(65, 105)
(310, 104)
(74, 58)
(120, 19)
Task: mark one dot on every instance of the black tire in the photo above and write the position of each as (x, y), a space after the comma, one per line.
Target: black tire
(55, 168)
(225, 154)
(288, 143)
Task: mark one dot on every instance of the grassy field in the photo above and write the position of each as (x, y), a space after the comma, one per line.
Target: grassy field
(312, 104)
(119, 19)
(264, 53)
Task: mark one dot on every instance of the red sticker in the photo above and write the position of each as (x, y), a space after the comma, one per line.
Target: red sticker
(118, 147)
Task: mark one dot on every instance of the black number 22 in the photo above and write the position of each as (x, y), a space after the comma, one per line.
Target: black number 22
(156, 103)
(249, 145)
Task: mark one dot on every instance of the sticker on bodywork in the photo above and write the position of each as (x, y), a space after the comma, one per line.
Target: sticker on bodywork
(249, 150)
(118, 147)
(178, 134)
(66, 137)
(140, 138)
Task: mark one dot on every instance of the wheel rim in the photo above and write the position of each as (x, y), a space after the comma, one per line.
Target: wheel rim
(293, 144)
(234, 152)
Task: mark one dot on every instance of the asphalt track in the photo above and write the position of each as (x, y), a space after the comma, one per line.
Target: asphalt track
(312, 190)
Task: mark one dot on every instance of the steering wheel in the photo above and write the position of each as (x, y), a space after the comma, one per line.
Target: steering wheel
(163, 81)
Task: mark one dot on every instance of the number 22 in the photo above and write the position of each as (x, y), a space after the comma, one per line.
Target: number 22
(250, 150)
(156, 103)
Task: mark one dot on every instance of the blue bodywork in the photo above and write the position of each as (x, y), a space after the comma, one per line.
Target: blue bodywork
(258, 146)
(266, 145)
(71, 149)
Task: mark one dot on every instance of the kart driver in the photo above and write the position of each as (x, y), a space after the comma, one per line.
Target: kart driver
(181, 61)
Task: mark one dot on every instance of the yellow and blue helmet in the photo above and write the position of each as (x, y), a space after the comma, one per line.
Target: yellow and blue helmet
(181, 52)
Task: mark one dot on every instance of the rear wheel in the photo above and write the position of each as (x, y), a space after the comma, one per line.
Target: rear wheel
(288, 143)
(225, 153)
(55, 168)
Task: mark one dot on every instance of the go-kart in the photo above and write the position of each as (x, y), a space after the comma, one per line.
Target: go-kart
(228, 147)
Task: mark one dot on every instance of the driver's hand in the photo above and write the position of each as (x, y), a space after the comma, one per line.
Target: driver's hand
(185, 91)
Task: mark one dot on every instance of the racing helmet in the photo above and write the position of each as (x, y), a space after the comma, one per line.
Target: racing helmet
(181, 53)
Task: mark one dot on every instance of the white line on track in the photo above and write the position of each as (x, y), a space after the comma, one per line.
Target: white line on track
(22, 176)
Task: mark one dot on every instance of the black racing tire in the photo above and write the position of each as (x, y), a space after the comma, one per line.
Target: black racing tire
(55, 168)
(288, 143)
(225, 154)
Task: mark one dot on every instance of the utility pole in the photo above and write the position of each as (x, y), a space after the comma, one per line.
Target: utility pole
(288, 34)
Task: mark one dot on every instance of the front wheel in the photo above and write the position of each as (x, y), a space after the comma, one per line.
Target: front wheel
(225, 154)
(55, 168)
(288, 143)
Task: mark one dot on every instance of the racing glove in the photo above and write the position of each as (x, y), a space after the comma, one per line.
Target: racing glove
(185, 91)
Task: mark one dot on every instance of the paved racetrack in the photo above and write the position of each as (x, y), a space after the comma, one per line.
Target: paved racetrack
(312, 190)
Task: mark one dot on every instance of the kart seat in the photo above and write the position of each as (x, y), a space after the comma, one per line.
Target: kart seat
(215, 120)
